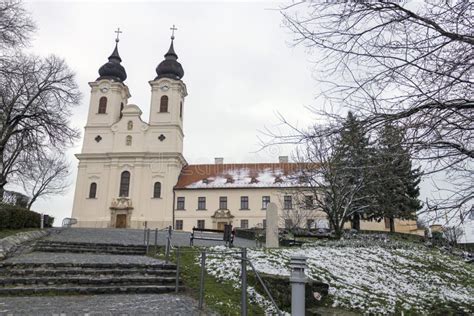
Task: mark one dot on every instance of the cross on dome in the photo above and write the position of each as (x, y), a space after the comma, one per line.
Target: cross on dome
(174, 28)
(118, 34)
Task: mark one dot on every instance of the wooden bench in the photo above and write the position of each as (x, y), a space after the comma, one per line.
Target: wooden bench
(199, 233)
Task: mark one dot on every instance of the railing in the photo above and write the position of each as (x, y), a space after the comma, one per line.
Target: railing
(68, 222)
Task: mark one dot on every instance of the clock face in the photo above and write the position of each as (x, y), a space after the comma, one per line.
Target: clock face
(164, 87)
(104, 88)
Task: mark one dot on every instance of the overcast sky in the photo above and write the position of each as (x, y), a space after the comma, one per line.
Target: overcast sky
(240, 70)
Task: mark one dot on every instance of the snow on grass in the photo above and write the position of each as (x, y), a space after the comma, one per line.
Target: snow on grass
(368, 278)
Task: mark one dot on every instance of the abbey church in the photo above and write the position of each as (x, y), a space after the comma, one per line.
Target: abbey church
(132, 173)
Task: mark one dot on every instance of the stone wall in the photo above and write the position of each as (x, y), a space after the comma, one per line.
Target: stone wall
(10, 243)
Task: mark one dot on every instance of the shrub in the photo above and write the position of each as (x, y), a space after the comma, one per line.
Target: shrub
(16, 217)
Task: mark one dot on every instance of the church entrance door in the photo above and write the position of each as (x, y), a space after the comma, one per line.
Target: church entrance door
(121, 221)
(220, 225)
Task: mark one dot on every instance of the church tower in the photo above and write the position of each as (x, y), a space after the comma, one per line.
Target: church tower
(127, 167)
(167, 99)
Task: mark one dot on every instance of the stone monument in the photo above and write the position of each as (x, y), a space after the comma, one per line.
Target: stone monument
(272, 226)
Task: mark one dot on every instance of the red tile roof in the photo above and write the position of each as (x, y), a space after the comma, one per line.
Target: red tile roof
(236, 175)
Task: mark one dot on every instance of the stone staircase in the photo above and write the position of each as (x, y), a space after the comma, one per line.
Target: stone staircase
(82, 247)
(82, 278)
(58, 267)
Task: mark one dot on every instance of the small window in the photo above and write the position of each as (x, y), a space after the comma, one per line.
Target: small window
(121, 109)
(181, 109)
(288, 223)
(180, 203)
(130, 125)
(164, 104)
(265, 202)
(93, 190)
(308, 202)
(264, 223)
(287, 202)
(103, 105)
(244, 202)
(128, 140)
(201, 203)
(223, 202)
(244, 223)
(124, 184)
(179, 224)
(201, 224)
(157, 190)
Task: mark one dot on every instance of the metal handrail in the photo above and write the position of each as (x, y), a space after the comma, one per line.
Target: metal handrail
(265, 288)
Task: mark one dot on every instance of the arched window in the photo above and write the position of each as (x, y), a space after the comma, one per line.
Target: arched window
(130, 125)
(128, 140)
(124, 184)
(93, 190)
(121, 109)
(157, 190)
(103, 105)
(181, 109)
(164, 104)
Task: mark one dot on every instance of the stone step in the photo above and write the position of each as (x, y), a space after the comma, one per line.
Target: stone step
(87, 244)
(95, 265)
(83, 271)
(61, 290)
(87, 281)
(89, 250)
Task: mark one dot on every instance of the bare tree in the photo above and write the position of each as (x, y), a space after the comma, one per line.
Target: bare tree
(323, 176)
(16, 24)
(300, 212)
(405, 63)
(453, 234)
(36, 96)
(45, 177)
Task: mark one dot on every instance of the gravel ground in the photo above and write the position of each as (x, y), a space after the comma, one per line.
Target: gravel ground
(136, 304)
(136, 236)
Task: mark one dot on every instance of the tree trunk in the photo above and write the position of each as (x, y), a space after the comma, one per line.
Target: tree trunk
(392, 225)
(356, 222)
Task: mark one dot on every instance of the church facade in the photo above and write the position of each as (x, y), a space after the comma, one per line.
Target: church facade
(132, 173)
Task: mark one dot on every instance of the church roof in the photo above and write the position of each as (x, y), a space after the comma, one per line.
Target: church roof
(113, 69)
(170, 67)
(246, 175)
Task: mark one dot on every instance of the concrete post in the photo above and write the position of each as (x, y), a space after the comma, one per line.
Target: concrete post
(42, 221)
(298, 280)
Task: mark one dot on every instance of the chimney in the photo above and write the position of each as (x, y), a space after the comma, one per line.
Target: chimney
(219, 161)
(283, 159)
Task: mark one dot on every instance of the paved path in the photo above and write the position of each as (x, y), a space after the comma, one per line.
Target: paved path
(135, 237)
(137, 304)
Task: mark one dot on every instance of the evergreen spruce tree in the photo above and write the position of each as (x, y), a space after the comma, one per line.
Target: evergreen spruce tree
(398, 181)
(354, 155)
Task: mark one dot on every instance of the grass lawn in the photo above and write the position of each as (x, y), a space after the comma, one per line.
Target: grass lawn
(220, 296)
(7, 232)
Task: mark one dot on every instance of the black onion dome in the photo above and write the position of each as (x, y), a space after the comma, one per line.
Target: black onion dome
(113, 69)
(170, 67)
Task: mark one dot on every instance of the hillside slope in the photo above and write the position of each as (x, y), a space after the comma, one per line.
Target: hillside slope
(379, 277)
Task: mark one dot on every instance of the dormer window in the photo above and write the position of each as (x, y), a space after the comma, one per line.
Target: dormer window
(164, 104)
(205, 181)
(253, 180)
(102, 105)
(229, 180)
(278, 180)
